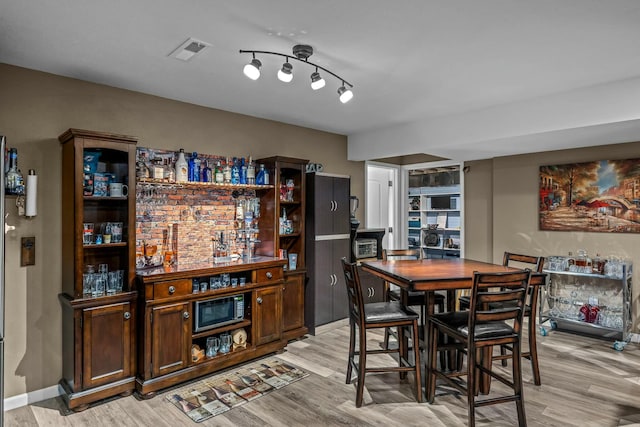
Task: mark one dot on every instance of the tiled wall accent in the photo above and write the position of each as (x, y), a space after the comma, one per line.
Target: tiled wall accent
(198, 214)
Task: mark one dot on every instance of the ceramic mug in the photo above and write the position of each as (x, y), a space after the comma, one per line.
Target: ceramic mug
(117, 189)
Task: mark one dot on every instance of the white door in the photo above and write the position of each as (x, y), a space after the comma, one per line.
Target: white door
(381, 198)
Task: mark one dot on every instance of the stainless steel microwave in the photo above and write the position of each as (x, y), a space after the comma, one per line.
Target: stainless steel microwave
(365, 248)
(216, 312)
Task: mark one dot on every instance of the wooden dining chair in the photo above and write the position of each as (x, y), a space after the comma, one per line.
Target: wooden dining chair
(536, 264)
(364, 317)
(475, 332)
(414, 298)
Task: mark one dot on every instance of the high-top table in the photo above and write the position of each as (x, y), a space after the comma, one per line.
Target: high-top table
(447, 274)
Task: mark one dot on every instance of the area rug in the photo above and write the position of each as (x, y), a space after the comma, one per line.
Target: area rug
(220, 393)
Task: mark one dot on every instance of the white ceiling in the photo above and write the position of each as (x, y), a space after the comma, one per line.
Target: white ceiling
(411, 61)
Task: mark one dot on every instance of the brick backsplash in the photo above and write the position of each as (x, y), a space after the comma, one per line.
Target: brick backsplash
(198, 214)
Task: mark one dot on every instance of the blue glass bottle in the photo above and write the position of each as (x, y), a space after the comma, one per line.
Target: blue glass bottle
(207, 175)
(235, 172)
(243, 171)
(194, 173)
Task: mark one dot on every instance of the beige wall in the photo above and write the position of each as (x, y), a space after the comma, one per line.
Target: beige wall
(36, 108)
(515, 211)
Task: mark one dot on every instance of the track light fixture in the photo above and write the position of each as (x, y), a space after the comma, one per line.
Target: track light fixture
(252, 69)
(301, 52)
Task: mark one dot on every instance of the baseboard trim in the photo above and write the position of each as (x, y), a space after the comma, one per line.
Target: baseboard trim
(25, 399)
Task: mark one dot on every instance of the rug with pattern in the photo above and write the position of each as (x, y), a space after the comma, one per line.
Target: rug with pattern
(220, 393)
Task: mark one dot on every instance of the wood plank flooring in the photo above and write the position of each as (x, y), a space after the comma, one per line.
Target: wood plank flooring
(584, 383)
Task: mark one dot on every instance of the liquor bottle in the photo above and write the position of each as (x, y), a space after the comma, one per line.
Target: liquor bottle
(157, 171)
(260, 175)
(251, 172)
(182, 169)
(14, 178)
(219, 175)
(194, 168)
(206, 173)
(169, 171)
(243, 171)
(266, 177)
(227, 172)
(142, 170)
(235, 172)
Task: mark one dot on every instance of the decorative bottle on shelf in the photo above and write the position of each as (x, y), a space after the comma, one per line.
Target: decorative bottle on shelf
(15, 183)
(227, 172)
(169, 171)
(219, 175)
(260, 175)
(182, 169)
(235, 172)
(157, 171)
(142, 170)
(251, 172)
(243, 171)
(206, 173)
(194, 168)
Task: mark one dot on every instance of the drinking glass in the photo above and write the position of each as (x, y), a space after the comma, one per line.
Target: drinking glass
(100, 285)
(87, 233)
(88, 280)
(225, 343)
(213, 344)
(120, 282)
(112, 283)
(103, 268)
(116, 232)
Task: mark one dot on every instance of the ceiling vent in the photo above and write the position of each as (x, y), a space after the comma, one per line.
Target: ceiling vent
(189, 49)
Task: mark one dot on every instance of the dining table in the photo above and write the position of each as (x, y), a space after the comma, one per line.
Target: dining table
(439, 274)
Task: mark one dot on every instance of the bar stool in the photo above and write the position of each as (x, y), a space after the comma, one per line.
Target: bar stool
(374, 316)
(414, 298)
(475, 332)
(531, 309)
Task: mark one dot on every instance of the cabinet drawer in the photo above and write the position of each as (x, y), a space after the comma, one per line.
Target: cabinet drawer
(172, 288)
(268, 274)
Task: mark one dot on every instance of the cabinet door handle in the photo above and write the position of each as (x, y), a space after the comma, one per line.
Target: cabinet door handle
(127, 315)
(336, 206)
(335, 280)
(259, 300)
(172, 289)
(185, 314)
(269, 275)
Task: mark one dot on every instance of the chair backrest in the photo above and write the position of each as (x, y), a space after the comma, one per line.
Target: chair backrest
(354, 291)
(534, 263)
(394, 254)
(509, 289)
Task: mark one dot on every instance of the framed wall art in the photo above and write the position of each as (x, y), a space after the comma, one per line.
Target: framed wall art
(598, 196)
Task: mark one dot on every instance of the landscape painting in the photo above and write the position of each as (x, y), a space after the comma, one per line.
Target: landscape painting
(599, 196)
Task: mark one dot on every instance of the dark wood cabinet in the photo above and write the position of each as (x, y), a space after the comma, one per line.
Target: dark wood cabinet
(328, 241)
(329, 200)
(98, 325)
(170, 338)
(268, 314)
(289, 196)
(167, 332)
(107, 344)
(372, 287)
(293, 305)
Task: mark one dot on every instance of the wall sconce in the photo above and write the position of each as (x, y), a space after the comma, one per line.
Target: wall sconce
(301, 52)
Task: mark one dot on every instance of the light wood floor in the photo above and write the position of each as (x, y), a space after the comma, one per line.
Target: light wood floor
(584, 383)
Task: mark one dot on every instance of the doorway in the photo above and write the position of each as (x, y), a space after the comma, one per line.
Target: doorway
(382, 201)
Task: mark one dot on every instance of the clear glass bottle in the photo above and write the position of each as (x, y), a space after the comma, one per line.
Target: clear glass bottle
(13, 178)
(251, 172)
(169, 171)
(157, 170)
(219, 175)
(182, 169)
(227, 171)
(142, 170)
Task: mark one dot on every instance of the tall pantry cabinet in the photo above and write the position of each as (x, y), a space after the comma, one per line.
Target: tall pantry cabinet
(328, 240)
(98, 329)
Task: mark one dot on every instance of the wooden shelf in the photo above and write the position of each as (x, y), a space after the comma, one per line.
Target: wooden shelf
(201, 185)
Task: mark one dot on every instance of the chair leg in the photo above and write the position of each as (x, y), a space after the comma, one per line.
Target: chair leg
(472, 376)
(503, 352)
(517, 385)
(533, 349)
(431, 364)
(385, 343)
(402, 349)
(416, 354)
(352, 343)
(362, 366)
